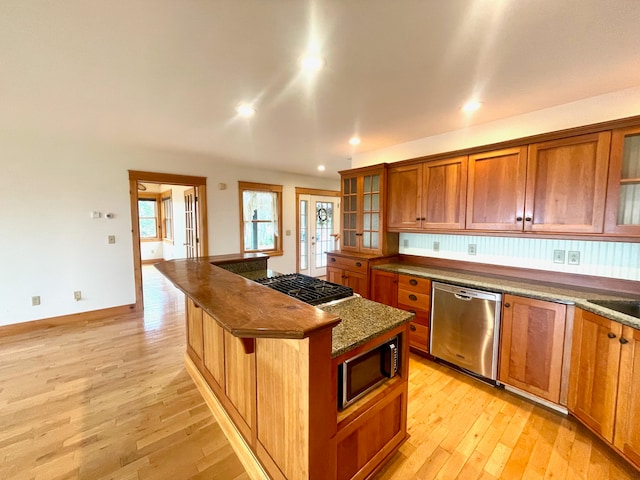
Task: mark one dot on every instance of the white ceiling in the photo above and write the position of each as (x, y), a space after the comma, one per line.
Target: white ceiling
(169, 73)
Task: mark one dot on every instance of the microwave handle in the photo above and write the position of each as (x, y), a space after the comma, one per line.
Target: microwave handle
(390, 367)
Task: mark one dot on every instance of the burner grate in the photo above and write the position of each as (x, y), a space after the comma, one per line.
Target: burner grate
(307, 289)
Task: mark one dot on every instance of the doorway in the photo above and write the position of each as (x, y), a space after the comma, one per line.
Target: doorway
(195, 220)
(318, 224)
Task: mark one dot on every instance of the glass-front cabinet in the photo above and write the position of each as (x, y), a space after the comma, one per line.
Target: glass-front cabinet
(623, 195)
(362, 210)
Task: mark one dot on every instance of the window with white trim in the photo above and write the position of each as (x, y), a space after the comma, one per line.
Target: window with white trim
(260, 214)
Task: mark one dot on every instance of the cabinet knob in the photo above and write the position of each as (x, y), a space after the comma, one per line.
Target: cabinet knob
(611, 335)
(358, 264)
(417, 219)
(412, 327)
(507, 305)
(333, 259)
(518, 219)
(423, 218)
(413, 297)
(413, 281)
(527, 219)
(623, 340)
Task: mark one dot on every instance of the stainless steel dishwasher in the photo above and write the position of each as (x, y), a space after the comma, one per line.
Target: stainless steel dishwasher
(465, 325)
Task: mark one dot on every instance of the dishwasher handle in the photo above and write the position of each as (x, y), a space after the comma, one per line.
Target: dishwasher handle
(462, 297)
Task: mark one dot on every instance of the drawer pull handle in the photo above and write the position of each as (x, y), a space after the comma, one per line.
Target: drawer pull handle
(413, 281)
(413, 328)
(623, 340)
(507, 305)
(611, 335)
(333, 259)
(518, 219)
(413, 297)
(527, 219)
(358, 264)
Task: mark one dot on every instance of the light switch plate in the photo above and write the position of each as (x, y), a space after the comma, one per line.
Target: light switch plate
(558, 256)
(472, 249)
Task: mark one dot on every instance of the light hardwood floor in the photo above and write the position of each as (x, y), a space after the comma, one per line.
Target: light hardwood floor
(112, 400)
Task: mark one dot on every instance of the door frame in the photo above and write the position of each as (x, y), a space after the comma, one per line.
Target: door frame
(198, 183)
(308, 191)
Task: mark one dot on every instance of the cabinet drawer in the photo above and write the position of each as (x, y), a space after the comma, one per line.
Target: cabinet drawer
(419, 336)
(414, 284)
(414, 300)
(351, 264)
(422, 316)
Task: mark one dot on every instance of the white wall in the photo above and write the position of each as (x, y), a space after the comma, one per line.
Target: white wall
(51, 247)
(608, 259)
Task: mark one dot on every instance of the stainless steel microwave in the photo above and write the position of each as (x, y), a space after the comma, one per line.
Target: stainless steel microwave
(362, 373)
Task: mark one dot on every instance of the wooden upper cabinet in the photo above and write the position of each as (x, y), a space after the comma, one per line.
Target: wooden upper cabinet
(532, 346)
(593, 379)
(363, 211)
(444, 193)
(566, 184)
(496, 190)
(429, 195)
(404, 197)
(623, 195)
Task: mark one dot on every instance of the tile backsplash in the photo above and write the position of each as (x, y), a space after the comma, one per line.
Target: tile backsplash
(603, 259)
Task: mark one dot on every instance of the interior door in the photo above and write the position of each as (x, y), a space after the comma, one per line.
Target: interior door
(191, 223)
(319, 226)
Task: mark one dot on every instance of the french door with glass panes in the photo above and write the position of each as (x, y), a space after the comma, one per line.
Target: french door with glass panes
(319, 225)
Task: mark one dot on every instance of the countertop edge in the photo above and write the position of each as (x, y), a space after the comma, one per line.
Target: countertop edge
(554, 293)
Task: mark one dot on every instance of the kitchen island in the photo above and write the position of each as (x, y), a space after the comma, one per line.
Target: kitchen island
(267, 365)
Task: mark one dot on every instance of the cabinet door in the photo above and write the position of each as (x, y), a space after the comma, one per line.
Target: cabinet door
(444, 194)
(495, 190)
(372, 211)
(627, 431)
(334, 275)
(213, 351)
(240, 378)
(532, 346)
(194, 328)
(623, 193)
(566, 184)
(593, 380)
(384, 287)
(351, 216)
(359, 282)
(404, 197)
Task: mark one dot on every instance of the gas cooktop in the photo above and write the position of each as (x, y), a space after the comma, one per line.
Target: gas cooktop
(307, 289)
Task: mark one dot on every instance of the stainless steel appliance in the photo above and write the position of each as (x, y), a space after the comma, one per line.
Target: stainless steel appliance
(465, 324)
(364, 372)
(308, 289)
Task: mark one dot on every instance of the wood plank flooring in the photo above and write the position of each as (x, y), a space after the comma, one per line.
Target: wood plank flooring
(112, 400)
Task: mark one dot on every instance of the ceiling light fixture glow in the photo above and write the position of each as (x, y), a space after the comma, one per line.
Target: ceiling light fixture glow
(354, 141)
(245, 110)
(321, 168)
(311, 62)
(471, 106)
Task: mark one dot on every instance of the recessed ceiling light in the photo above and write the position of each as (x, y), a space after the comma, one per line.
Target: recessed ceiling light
(311, 62)
(354, 141)
(245, 110)
(471, 106)
(321, 168)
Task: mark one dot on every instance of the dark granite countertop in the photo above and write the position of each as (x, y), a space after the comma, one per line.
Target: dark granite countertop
(362, 320)
(550, 292)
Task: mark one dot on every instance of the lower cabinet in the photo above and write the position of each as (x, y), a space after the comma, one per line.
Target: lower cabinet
(384, 287)
(414, 295)
(604, 384)
(194, 328)
(349, 271)
(532, 346)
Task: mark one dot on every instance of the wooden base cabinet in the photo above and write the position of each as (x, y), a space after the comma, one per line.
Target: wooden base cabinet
(384, 287)
(414, 295)
(604, 386)
(532, 346)
(350, 271)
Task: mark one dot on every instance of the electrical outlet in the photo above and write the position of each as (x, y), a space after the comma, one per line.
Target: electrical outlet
(574, 258)
(558, 256)
(436, 246)
(405, 243)
(472, 249)
(77, 295)
(35, 301)
(112, 239)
